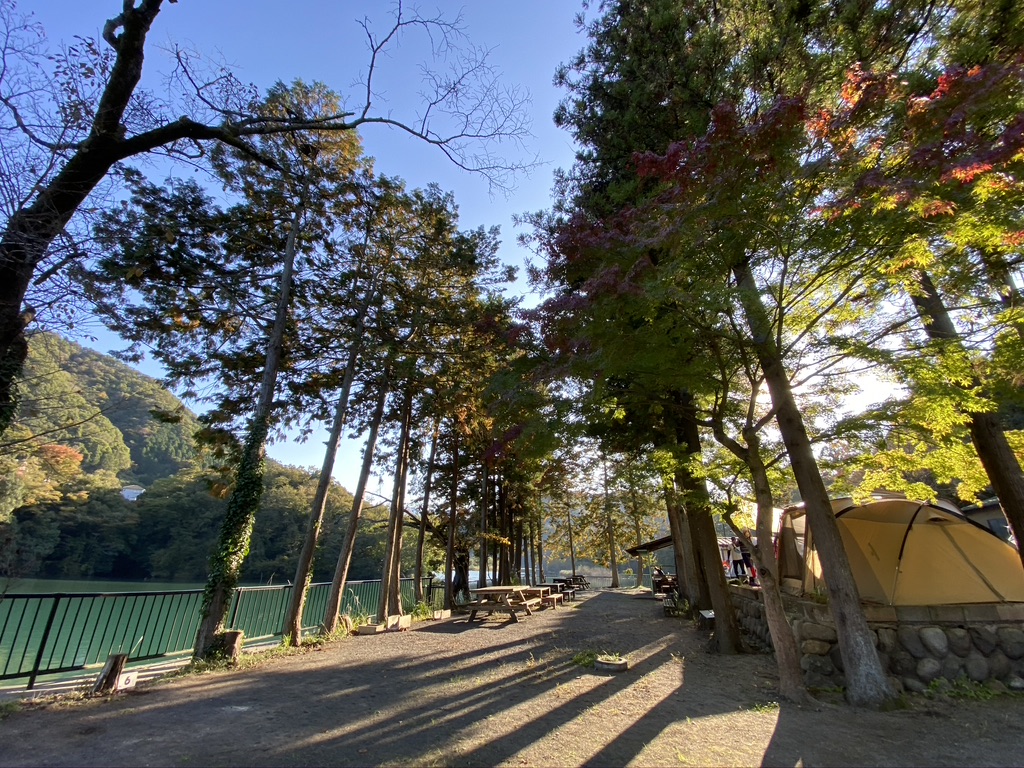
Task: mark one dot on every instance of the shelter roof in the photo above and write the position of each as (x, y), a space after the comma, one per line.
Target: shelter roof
(650, 546)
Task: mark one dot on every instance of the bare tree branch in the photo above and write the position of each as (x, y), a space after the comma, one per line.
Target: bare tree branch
(87, 116)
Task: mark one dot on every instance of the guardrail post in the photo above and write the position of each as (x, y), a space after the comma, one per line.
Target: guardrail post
(42, 643)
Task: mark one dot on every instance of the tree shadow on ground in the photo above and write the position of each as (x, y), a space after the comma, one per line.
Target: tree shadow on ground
(496, 692)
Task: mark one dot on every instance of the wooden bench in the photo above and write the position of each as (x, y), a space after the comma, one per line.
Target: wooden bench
(527, 603)
(554, 599)
(671, 605)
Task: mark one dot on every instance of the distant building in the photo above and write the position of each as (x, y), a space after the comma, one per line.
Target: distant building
(132, 492)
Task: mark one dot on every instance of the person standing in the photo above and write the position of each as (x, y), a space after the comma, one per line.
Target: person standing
(745, 552)
(736, 554)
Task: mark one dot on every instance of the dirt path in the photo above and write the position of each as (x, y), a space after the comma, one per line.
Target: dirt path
(498, 693)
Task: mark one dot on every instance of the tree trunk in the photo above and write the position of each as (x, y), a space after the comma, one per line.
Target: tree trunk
(532, 554)
(502, 560)
(787, 654)
(702, 530)
(393, 538)
(449, 565)
(682, 550)
(493, 547)
(235, 535)
(236, 532)
(699, 519)
(485, 477)
(333, 607)
(293, 618)
(518, 558)
(540, 555)
(572, 546)
(528, 560)
(639, 556)
(507, 532)
(396, 606)
(866, 683)
(636, 524)
(987, 434)
(609, 521)
(1003, 470)
(421, 536)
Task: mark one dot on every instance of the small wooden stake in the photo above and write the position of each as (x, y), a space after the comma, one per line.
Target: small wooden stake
(107, 681)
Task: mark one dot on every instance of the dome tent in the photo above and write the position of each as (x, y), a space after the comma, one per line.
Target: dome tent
(906, 552)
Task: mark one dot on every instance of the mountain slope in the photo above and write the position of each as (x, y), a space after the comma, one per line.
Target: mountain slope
(101, 407)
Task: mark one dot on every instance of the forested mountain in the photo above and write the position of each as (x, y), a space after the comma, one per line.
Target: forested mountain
(104, 409)
(89, 425)
(169, 533)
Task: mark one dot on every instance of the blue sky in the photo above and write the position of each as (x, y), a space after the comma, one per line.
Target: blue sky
(266, 41)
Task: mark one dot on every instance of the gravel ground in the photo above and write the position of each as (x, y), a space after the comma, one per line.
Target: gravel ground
(507, 694)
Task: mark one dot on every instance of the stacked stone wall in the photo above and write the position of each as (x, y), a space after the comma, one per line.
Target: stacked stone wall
(917, 645)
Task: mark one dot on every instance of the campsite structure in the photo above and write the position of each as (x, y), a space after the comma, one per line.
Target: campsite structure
(905, 552)
(942, 592)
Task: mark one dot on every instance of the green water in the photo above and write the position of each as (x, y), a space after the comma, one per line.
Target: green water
(48, 586)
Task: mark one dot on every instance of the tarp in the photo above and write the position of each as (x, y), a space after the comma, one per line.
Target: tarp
(724, 542)
(906, 552)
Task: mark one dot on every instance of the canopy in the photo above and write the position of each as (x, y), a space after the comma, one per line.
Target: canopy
(906, 552)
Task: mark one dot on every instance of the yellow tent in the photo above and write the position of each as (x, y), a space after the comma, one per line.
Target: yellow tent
(906, 552)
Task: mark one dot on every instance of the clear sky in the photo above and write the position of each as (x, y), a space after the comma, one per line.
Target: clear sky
(266, 40)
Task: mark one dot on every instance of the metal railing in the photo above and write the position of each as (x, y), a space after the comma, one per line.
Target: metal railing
(44, 634)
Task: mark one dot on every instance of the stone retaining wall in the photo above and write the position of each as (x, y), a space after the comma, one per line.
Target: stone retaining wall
(917, 644)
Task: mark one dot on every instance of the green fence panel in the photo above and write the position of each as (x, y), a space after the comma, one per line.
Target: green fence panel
(45, 634)
(57, 633)
(316, 604)
(21, 630)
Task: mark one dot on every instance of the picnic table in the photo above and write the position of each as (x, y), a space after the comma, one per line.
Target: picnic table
(576, 582)
(508, 599)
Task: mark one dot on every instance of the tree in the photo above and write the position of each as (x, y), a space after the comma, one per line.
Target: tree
(93, 117)
(748, 223)
(432, 296)
(729, 223)
(173, 277)
(106, 410)
(368, 278)
(646, 77)
(738, 422)
(942, 176)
